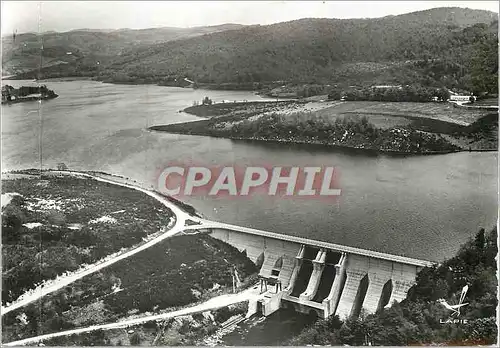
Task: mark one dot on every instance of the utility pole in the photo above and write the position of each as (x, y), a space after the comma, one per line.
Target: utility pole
(234, 284)
(40, 116)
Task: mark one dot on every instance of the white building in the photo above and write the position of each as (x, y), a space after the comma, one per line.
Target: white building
(387, 86)
(462, 98)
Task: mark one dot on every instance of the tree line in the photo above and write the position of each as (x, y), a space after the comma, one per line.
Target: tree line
(452, 48)
(391, 94)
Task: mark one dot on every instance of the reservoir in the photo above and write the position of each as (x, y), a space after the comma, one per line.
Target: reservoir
(417, 206)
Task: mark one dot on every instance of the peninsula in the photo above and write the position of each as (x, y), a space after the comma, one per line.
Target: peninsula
(389, 127)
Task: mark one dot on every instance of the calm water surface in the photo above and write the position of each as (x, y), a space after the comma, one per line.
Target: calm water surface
(417, 206)
(274, 330)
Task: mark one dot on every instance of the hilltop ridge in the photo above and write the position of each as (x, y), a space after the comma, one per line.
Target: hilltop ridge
(436, 47)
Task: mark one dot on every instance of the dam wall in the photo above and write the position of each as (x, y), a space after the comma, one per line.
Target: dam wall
(321, 277)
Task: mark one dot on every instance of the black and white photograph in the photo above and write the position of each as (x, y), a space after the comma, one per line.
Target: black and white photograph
(249, 173)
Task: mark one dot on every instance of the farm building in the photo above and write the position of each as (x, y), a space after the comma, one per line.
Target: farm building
(462, 98)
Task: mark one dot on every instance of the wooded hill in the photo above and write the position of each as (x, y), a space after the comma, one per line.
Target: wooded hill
(85, 47)
(452, 47)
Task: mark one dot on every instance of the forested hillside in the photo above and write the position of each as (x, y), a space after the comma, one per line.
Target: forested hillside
(431, 47)
(451, 47)
(83, 48)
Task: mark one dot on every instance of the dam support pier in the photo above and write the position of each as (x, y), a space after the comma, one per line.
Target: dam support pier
(320, 277)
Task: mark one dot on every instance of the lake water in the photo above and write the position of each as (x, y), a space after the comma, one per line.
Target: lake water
(274, 330)
(417, 206)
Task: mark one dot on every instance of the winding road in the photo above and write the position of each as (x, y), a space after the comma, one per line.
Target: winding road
(180, 227)
(213, 303)
(54, 285)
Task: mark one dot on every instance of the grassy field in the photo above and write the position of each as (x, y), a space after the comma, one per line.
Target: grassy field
(221, 109)
(382, 114)
(55, 224)
(486, 102)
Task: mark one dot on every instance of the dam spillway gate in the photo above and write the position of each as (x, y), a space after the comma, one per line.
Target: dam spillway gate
(322, 277)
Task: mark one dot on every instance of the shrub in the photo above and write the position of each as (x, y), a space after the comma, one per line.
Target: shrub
(135, 339)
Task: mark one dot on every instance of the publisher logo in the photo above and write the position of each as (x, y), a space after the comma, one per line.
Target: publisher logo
(455, 308)
(177, 180)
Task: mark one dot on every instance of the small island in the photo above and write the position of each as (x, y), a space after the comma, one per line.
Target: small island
(12, 95)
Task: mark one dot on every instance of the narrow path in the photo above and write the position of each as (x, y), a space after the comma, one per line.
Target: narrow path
(54, 285)
(213, 303)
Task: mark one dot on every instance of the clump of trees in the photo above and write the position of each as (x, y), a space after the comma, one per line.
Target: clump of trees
(344, 131)
(62, 166)
(10, 93)
(206, 101)
(135, 339)
(418, 320)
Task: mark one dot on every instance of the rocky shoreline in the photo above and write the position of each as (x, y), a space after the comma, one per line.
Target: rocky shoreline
(349, 147)
(339, 146)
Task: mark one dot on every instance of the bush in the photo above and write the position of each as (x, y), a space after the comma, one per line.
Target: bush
(206, 101)
(171, 337)
(135, 339)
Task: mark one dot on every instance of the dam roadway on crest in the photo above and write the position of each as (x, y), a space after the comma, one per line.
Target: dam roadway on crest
(317, 276)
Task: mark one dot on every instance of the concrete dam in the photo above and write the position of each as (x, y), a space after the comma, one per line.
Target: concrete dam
(318, 276)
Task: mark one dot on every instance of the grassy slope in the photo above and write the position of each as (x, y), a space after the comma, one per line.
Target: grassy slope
(221, 109)
(446, 112)
(67, 237)
(188, 330)
(172, 274)
(480, 135)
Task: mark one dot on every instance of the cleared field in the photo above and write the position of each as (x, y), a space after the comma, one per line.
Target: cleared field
(380, 112)
(328, 116)
(486, 102)
(220, 109)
